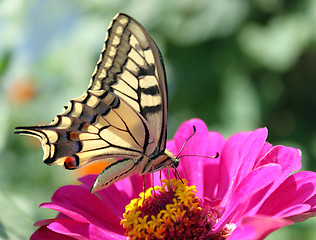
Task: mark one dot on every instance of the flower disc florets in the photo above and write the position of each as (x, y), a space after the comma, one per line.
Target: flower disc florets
(167, 217)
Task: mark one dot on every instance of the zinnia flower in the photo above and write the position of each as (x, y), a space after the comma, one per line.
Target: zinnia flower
(245, 193)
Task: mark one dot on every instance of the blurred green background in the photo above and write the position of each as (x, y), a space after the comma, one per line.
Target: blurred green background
(236, 64)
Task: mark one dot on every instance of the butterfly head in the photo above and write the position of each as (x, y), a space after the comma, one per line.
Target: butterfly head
(173, 161)
(176, 163)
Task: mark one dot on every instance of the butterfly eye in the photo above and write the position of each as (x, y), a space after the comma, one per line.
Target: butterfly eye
(71, 162)
(175, 164)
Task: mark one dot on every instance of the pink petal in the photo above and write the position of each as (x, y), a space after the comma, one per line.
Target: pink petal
(216, 143)
(244, 232)
(249, 152)
(82, 231)
(47, 234)
(70, 228)
(191, 168)
(253, 182)
(211, 166)
(293, 210)
(265, 149)
(115, 199)
(262, 225)
(131, 186)
(44, 222)
(289, 159)
(69, 213)
(229, 163)
(303, 216)
(296, 189)
(79, 204)
(312, 201)
(124, 189)
(87, 180)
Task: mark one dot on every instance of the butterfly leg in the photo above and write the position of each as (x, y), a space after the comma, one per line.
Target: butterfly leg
(144, 185)
(153, 186)
(177, 175)
(169, 185)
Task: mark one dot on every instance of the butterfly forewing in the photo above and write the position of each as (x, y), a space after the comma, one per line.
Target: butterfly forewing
(131, 66)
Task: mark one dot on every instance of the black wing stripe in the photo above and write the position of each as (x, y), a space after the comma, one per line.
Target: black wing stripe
(148, 62)
(152, 90)
(152, 109)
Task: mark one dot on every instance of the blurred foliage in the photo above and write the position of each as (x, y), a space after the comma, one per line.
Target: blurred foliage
(238, 65)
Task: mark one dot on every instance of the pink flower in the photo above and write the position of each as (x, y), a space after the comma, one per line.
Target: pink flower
(249, 186)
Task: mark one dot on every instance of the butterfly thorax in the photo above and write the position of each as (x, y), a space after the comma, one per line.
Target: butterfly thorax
(159, 160)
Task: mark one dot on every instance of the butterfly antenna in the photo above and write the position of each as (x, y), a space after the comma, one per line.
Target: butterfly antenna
(192, 155)
(189, 155)
(185, 142)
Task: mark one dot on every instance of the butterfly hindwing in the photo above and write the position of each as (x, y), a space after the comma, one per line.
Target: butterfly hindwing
(97, 125)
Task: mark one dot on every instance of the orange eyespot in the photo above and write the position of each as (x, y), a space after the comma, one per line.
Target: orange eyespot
(71, 162)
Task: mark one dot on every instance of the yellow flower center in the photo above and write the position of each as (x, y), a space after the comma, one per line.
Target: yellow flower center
(167, 217)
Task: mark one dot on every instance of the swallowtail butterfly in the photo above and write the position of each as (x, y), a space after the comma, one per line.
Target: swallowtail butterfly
(122, 115)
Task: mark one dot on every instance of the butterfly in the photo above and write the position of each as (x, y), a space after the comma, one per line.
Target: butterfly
(122, 115)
